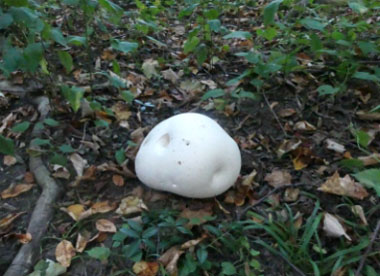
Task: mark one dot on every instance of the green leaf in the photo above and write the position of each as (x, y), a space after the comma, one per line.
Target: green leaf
(32, 57)
(58, 37)
(250, 56)
(5, 20)
(16, 3)
(215, 93)
(201, 54)
(150, 232)
(352, 164)
(362, 138)
(327, 90)
(214, 25)
(375, 109)
(268, 33)
(40, 142)
(66, 60)
(51, 122)
(21, 127)
(202, 254)
(228, 268)
(358, 7)
(190, 44)
(6, 146)
(99, 253)
(367, 47)
(74, 95)
(66, 148)
(369, 178)
(101, 123)
(124, 46)
(366, 76)
(270, 11)
(76, 40)
(58, 159)
(120, 156)
(313, 24)
(315, 43)
(238, 34)
(127, 96)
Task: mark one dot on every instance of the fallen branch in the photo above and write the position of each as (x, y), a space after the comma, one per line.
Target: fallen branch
(43, 212)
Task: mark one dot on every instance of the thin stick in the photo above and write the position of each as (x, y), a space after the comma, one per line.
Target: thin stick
(367, 251)
(274, 115)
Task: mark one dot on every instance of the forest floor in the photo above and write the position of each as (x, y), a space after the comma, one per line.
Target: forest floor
(301, 205)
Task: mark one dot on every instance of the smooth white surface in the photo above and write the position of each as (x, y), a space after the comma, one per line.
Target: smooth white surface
(190, 155)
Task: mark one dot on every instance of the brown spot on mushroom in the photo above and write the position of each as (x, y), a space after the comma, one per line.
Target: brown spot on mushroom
(179, 163)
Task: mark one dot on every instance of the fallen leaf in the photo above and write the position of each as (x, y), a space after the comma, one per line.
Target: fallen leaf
(304, 126)
(191, 86)
(14, 190)
(78, 162)
(61, 172)
(131, 205)
(118, 180)
(278, 178)
(9, 160)
(210, 83)
(170, 75)
(29, 177)
(104, 225)
(6, 221)
(102, 207)
(345, 186)
(358, 211)
(333, 227)
(143, 268)
(170, 259)
(287, 146)
(291, 194)
(74, 211)
(368, 116)
(192, 243)
(195, 217)
(286, 112)
(334, 146)
(302, 157)
(82, 241)
(121, 110)
(149, 67)
(23, 238)
(64, 252)
(370, 160)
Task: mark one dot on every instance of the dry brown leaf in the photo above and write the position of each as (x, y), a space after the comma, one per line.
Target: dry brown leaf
(370, 160)
(61, 172)
(345, 186)
(249, 179)
(303, 156)
(333, 228)
(29, 177)
(23, 238)
(149, 67)
(287, 112)
(143, 268)
(358, 211)
(287, 146)
(334, 146)
(104, 225)
(103, 207)
(368, 116)
(64, 252)
(278, 178)
(304, 126)
(170, 75)
(131, 205)
(6, 221)
(82, 241)
(170, 259)
(78, 162)
(74, 211)
(121, 110)
(192, 243)
(291, 194)
(118, 180)
(9, 160)
(195, 217)
(14, 190)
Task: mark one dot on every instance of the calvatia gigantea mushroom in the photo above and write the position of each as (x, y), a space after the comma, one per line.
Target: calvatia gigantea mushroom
(190, 155)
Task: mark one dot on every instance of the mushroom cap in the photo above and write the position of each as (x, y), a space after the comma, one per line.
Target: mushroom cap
(190, 155)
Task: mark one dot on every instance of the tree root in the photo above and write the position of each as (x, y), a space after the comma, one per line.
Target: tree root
(43, 212)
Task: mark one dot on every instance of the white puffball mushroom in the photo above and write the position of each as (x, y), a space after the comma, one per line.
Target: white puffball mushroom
(190, 155)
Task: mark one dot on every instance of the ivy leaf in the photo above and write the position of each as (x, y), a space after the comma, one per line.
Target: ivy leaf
(21, 127)
(369, 178)
(238, 34)
(6, 146)
(66, 60)
(313, 24)
(100, 253)
(214, 25)
(124, 46)
(58, 159)
(270, 11)
(366, 76)
(5, 20)
(215, 93)
(74, 95)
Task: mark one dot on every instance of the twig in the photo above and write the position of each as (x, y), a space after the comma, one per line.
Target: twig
(367, 251)
(261, 200)
(274, 114)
